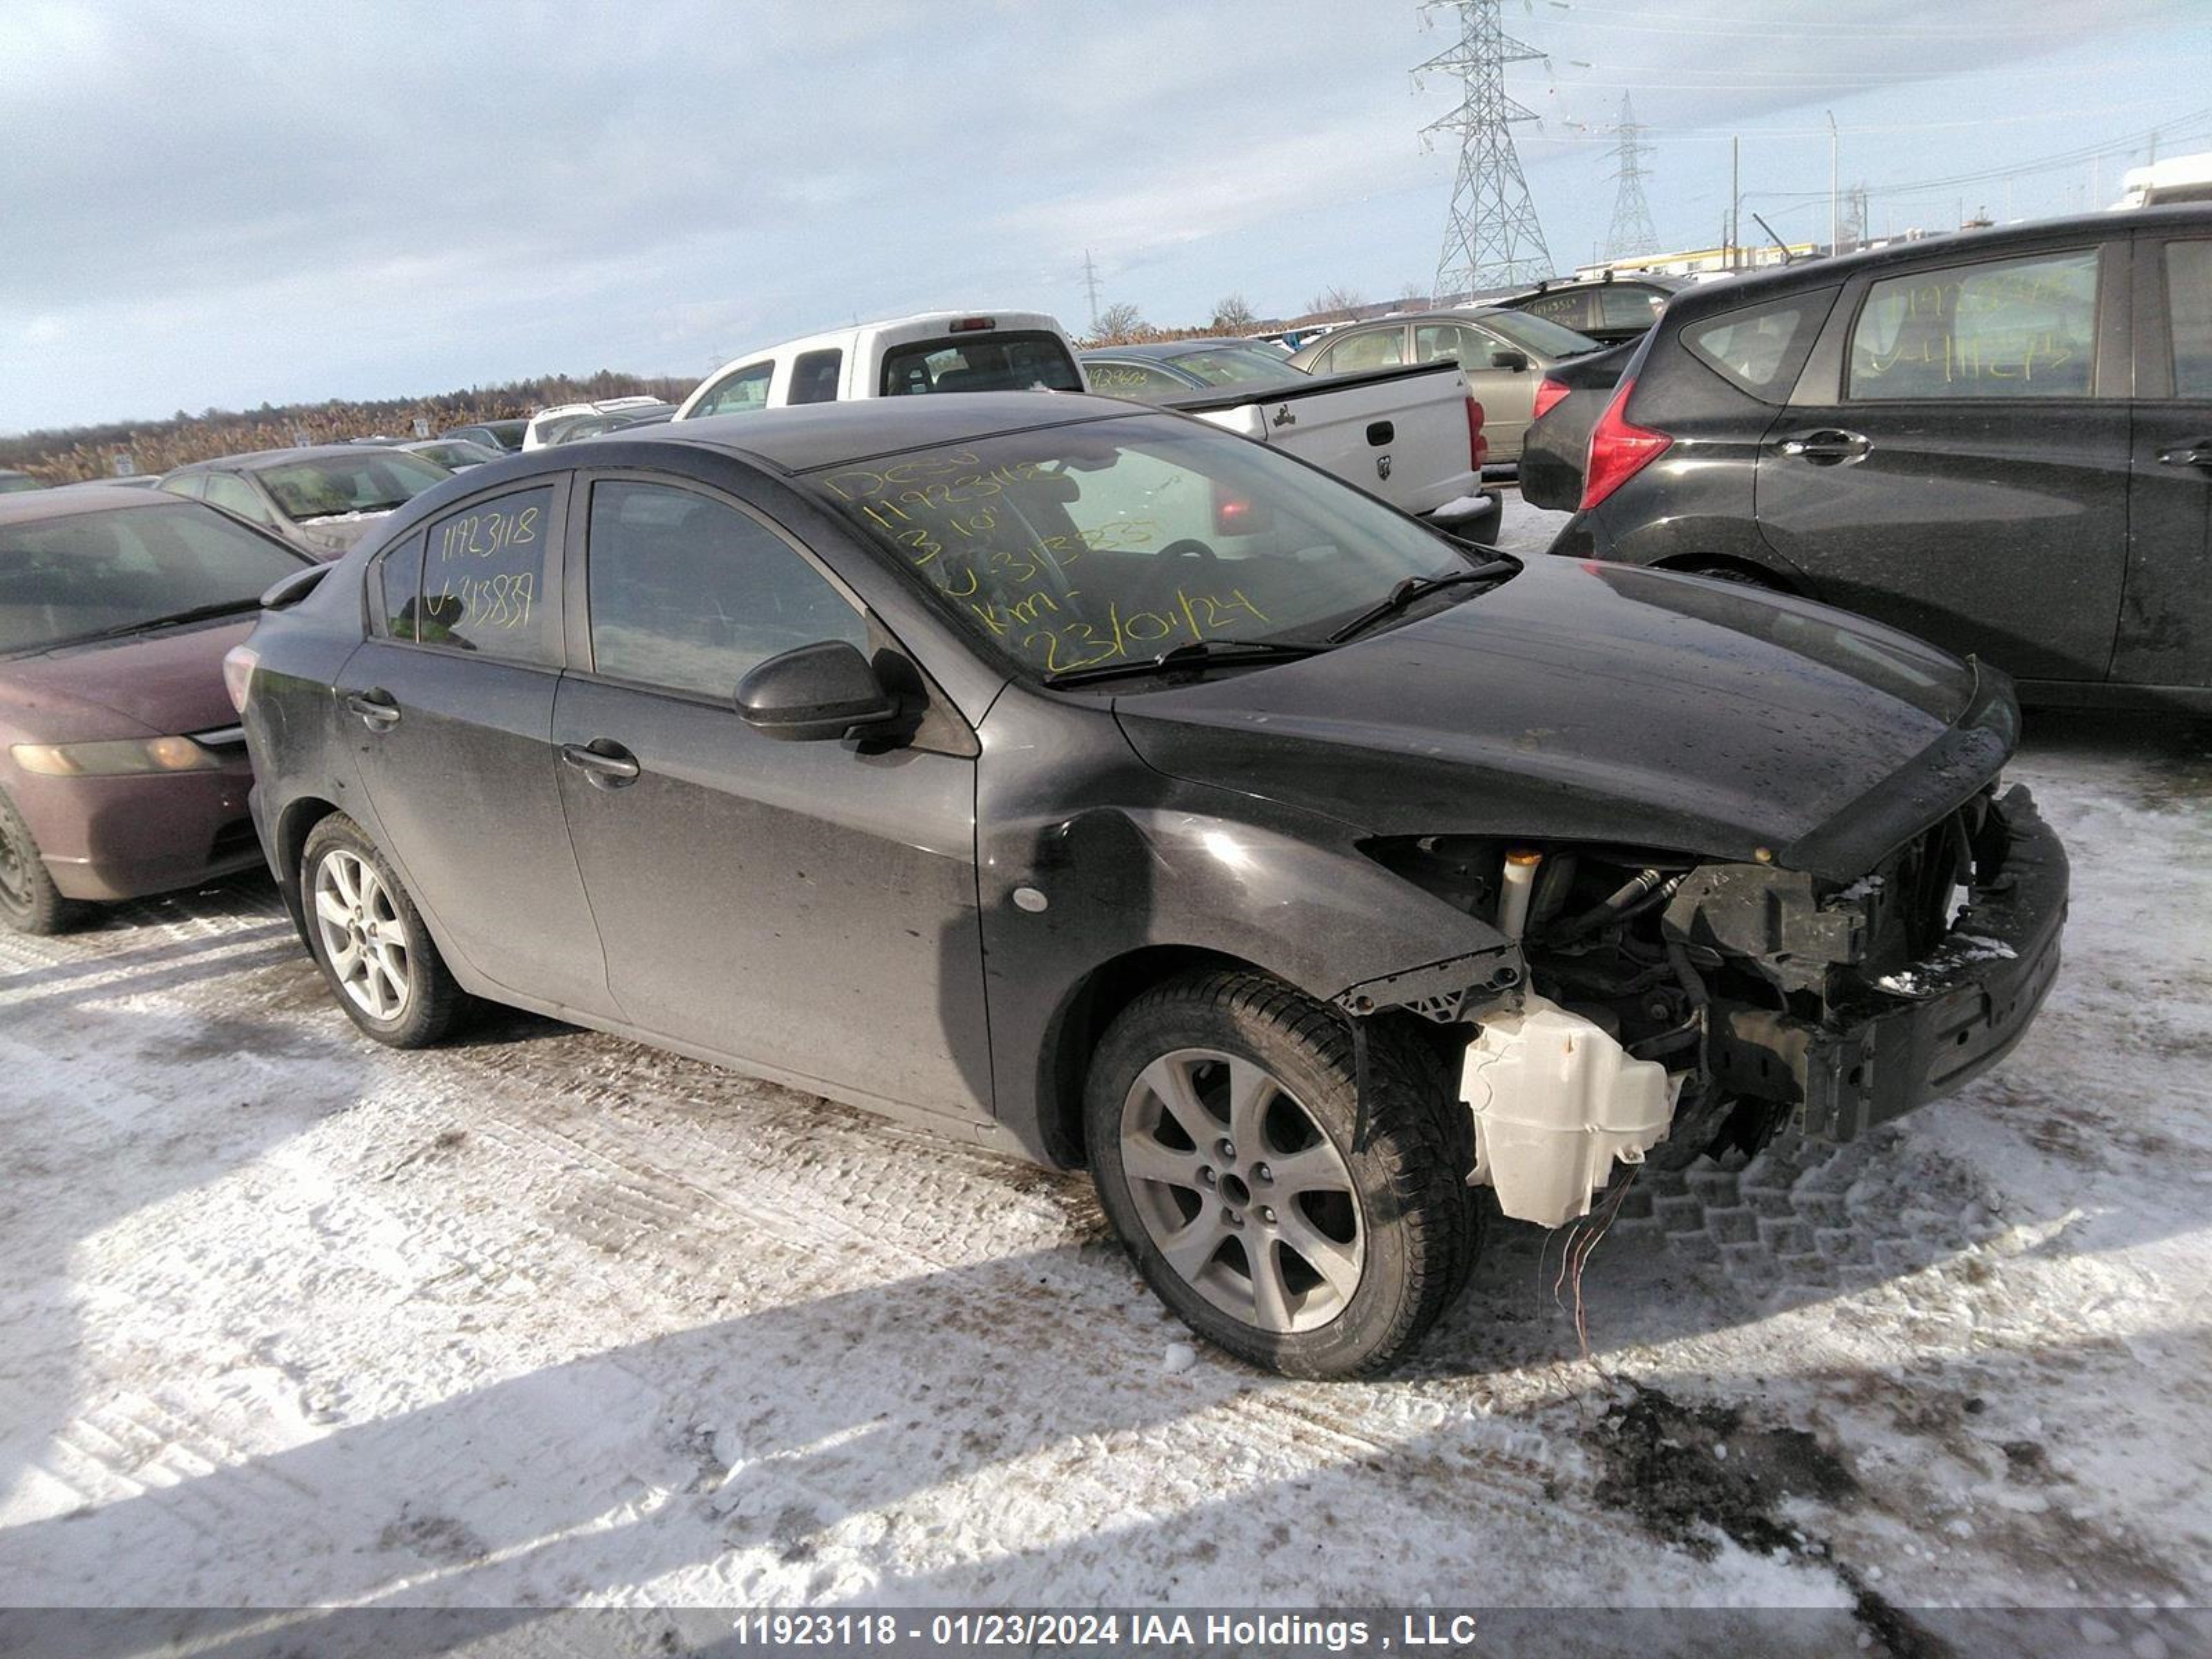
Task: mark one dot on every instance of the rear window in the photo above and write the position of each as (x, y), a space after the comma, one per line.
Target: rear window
(1238, 366)
(981, 361)
(1539, 335)
(1759, 349)
(338, 486)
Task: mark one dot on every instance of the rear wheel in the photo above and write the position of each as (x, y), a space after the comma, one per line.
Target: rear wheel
(1722, 571)
(30, 901)
(1219, 1117)
(369, 941)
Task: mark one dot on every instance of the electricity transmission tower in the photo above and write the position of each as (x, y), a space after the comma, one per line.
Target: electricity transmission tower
(1632, 232)
(1492, 237)
(1090, 285)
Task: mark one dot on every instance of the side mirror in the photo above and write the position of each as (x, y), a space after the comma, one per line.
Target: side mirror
(1515, 361)
(816, 692)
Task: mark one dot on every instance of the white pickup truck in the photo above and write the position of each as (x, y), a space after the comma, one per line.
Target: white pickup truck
(1411, 436)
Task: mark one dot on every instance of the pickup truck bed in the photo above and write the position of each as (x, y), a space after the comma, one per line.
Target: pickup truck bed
(1411, 436)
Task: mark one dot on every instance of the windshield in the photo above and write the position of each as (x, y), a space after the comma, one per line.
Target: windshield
(113, 569)
(1237, 366)
(1540, 334)
(1114, 541)
(331, 486)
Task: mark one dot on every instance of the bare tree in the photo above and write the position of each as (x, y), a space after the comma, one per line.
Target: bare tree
(1233, 315)
(1120, 321)
(1413, 288)
(1339, 300)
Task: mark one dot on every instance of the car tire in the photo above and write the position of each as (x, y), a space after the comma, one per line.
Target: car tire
(1356, 1252)
(369, 941)
(30, 901)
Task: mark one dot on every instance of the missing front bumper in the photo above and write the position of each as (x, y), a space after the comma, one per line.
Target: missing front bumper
(1912, 1037)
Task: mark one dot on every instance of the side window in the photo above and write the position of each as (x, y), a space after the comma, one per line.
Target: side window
(1624, 305)
(688, 593)
(1760, 348)
(1382, 348)
(396, 595)
(814, 376)
(2189, 317)
(1138, 380)
(741, 393)
(485, 582)
(236, 496)
(193, 484)
(2010, 328)
(1433, 342)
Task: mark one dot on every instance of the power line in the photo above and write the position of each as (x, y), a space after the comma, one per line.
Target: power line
(1492, 236)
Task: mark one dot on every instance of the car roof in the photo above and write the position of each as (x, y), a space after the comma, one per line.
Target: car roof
(254, 461)
(29, 506)
(809, 435)
(1701, 298)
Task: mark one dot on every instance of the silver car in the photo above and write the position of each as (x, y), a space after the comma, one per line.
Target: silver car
(1503, 354)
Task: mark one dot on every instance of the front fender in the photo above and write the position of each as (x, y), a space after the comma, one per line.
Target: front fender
(1090, 859)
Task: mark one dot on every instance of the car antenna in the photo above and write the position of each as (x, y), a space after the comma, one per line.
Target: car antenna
(1780, 246)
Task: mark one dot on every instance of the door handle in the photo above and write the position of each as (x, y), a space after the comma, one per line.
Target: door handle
(377, 709)
(1827, 447)
(2198, 453)
(603, 760)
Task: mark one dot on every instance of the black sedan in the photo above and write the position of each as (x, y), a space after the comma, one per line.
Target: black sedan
(1100, 786)
(2001, 440)
(1157, 371)
(1610, 309)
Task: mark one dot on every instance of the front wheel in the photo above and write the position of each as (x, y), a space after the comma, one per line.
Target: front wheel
(30, 901)
(369, 941)
(1219, 1115)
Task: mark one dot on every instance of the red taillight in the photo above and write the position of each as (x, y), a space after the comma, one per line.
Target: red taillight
(1618, 451)
(238, 666)
(970, 324)
(1548, 393)
(1477, 446)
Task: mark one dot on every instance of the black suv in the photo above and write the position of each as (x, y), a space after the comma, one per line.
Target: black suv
(2001, 440)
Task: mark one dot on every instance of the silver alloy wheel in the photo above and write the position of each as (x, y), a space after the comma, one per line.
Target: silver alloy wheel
(1242, 1191)
(362, 935)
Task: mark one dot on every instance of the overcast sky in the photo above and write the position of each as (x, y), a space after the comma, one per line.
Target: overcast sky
(216, 204)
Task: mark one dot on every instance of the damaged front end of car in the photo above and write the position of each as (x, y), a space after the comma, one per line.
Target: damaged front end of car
(1664, 1007)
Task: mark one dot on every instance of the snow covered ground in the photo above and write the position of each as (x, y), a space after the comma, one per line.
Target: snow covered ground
(546, 1318)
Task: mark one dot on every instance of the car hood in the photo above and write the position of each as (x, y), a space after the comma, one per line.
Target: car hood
(1607, 704)
(144, 685)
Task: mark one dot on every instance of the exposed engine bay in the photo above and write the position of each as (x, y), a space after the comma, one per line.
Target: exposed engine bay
(1670, 1006)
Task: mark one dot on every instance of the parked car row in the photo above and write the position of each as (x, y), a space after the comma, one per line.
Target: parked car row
(1144, 789)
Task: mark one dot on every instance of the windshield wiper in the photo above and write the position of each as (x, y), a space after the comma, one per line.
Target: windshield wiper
(1194, 654)
(1415, 587)
(197, 613)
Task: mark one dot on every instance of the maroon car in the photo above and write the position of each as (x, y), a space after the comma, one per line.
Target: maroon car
(123, 770)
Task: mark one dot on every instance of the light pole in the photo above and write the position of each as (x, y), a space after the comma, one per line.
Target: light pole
(1835, 220)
